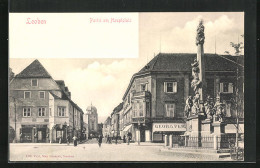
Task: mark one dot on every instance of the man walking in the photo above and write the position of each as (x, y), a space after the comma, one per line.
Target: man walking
(75, 140)
(100, 140)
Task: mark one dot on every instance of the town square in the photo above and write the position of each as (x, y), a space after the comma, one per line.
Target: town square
(173, 103)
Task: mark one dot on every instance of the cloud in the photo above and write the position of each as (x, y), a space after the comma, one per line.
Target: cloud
(101, 84)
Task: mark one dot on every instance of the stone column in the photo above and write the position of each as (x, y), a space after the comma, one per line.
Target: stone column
(170, 141)
(166, 140)
(215, 142)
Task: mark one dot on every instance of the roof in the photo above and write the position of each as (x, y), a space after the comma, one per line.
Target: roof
(34, 70)
(117, 108)
(181, 62)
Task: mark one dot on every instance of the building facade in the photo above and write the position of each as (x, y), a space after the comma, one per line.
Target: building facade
(40, 108)
(107, 127)
(154, 102)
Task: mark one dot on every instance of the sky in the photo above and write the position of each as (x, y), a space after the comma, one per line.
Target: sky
(103, 81)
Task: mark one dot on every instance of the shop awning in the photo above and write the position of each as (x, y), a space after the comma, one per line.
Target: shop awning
(127, 128)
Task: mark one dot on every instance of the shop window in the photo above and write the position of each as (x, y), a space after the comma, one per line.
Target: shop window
(41, 112)
(34, 82)
(144, 87)
(26, 112)
(226, 87)
(169, 109)
(61, 111)
(42, 94)
(27, 94)
(170, 87)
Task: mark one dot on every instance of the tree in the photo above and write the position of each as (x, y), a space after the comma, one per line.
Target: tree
(238, 47)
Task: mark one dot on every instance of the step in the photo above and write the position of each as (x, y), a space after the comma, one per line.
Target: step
(200, 155)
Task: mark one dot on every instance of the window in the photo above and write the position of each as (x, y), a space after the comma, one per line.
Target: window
(141, 109)
(144, 87)
(128, 98)
(61, 111)
(41, 112)
(226, 87)
(27, 94)
(169, 109)
(26, 112)
(42, 94)
(228, 108)
(170, 87)
(92, 125)
(34, 82)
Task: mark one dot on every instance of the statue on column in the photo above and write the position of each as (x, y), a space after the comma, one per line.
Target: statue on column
(200, 33)
(188, 106)
(219, 109)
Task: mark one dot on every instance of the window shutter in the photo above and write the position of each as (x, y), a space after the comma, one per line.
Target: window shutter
(165, 87)
(221, 87)
(230, 87)
(175, 87)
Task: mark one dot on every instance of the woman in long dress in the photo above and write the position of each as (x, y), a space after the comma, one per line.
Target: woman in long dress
(75, 140)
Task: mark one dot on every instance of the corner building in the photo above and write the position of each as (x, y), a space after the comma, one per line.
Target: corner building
(41, 109)
(155, 98)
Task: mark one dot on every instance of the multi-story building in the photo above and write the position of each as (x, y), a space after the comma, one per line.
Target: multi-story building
(40, 108)
(92, 121)
(106, 127)
(115, 118)
(155, 98)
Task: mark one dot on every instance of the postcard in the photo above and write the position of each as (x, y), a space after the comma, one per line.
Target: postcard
(130, 86)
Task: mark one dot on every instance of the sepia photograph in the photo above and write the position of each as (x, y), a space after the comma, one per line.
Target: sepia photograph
(126, 87)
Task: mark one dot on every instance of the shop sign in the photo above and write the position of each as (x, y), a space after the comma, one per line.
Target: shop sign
(169, 127)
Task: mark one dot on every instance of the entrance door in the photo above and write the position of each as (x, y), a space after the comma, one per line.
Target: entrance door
(142, 134)
(40, 136)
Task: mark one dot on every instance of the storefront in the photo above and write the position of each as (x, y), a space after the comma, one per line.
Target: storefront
(34, 133)
(161, 129)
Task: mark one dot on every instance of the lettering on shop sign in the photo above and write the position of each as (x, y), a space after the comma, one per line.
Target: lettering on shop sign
(169, 127)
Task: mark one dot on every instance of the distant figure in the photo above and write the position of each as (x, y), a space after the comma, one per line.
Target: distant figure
(75, 140)
(129, 137)
(107, 139)
(35, 137)
(21, 137)
(100, 140)
(68, 140)
(124, 140)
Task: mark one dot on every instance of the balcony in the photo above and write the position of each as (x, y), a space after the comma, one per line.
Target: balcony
(142, 94)
(140, 120)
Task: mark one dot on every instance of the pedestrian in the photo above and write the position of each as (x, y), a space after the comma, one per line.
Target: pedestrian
(100, 140)
(21, 137)
(108, 139)
(75, 140)
(35, 137)
(68, 140)
(124, 139)
(116, 139)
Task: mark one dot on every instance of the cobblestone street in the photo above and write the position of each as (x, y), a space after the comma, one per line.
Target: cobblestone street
(91, 152)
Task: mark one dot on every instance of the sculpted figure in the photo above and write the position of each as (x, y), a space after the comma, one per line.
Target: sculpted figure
(195, 108)
(195, 83)
(219, 109)
(209, 107)
(200, 33)
(188, 106)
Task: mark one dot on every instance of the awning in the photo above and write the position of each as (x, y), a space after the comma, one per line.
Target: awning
(127, 128)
